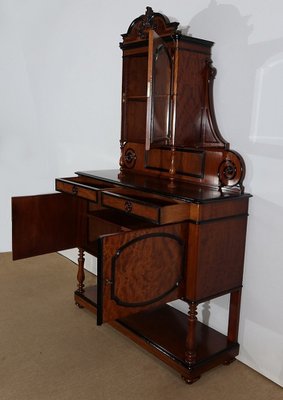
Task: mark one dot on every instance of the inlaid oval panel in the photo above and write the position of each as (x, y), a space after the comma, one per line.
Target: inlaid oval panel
(146, 269)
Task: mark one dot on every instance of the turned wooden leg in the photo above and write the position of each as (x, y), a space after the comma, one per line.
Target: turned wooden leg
(81, 271)
(172, 170)
(190, 354)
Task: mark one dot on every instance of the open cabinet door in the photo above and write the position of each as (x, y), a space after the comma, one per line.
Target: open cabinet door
(159, 91)
(139, 270)
(43, 224)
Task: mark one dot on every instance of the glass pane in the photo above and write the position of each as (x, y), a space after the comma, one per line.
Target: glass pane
(159, 92)
(160, 121)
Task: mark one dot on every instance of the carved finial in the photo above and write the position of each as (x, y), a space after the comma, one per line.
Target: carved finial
(147, 22)
(148, 16)
(138, 30)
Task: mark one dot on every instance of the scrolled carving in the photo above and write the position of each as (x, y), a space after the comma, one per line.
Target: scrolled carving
(231, 171)
(147, 22)
(121, 161)
(212, 71)
(210, 133)
(150, 20)
(130, 158)
(227, 171)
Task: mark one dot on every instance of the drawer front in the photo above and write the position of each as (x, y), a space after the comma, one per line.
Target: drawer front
(77, 189)
(156, 209)
(131, 206)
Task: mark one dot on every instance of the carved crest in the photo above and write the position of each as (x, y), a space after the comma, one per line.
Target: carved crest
(150, 20)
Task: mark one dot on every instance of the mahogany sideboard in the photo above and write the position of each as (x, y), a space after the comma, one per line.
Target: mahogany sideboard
(170, 223)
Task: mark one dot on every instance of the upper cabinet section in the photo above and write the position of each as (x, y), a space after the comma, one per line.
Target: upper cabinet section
(167, 86)
(168, 119)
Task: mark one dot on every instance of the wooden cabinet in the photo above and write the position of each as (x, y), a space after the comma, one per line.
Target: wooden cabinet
(170, 223)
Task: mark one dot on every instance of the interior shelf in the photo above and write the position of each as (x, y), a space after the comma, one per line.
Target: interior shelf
(163, 330)
(88, 298)
(166, 329)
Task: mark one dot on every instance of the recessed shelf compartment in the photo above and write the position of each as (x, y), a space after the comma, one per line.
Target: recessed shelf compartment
(164, 331)
(107, 221)
(155, 327)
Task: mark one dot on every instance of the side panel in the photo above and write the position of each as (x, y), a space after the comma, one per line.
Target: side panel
(139, 270)
(215, 257)
(43, 224)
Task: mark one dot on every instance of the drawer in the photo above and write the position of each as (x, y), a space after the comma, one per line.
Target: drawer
(81, 186)
(157, 209)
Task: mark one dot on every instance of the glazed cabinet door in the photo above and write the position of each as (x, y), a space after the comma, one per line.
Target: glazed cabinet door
(139, 270)
(159, 91)
(43, 224)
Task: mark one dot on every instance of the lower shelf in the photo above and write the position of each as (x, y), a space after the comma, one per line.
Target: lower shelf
(88, 298)
(166, 329)
(163, 332)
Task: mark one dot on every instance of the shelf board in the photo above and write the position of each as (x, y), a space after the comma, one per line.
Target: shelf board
(163, 331)
(88, 298)
(166, 328)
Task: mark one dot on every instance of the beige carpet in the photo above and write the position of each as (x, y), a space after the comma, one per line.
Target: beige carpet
(50, 349)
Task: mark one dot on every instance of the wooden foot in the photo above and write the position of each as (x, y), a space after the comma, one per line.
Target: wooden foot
(189, 380)
(228, 362)
(79, 305)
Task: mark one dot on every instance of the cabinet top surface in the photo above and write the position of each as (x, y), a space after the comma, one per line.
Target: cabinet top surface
(181, 190)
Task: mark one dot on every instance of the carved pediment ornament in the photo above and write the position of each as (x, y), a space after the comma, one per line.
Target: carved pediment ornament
(150, 20)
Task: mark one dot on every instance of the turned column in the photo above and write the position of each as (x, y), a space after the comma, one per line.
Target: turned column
(190, 354)
(81, 271)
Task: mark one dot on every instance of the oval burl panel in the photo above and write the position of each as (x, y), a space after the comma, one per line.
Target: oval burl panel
(146, 269)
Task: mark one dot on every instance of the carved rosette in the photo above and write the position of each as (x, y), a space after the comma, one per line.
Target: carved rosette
(231, 171)
(128, 157)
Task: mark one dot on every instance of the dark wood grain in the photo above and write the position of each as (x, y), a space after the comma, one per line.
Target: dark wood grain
(140, 270)
(171, 222)
(44, 224)
(164, 333)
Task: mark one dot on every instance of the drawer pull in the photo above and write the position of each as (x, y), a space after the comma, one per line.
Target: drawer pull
(128, 206)
(74, 189)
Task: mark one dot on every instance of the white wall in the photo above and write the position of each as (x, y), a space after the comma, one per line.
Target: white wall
(60, 79)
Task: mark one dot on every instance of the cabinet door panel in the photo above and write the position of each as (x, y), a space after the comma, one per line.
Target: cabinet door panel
(139, 270)
(43, 224)
(160, 66)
